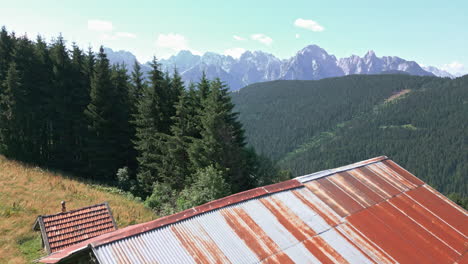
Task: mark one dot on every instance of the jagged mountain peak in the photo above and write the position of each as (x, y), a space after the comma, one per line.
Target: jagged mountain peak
(310, 63)
(313, 50)
(370, 54)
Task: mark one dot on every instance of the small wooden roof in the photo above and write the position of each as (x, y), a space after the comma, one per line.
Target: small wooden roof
(68, 228)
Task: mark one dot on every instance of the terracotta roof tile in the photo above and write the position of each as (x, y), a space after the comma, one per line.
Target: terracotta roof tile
(66, 229)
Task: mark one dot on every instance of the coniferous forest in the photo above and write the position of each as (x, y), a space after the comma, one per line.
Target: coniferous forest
(419, 122)
(172, 144)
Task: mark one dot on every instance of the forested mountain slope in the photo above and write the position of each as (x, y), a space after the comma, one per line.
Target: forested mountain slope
(420, 122)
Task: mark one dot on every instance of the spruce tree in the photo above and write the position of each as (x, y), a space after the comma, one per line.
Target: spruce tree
(9, 121)
(101, 146)
(26, 103)
(124, 154)
(203, 87)
(222, 142)
(79, 93)
(89, 62)
(61, 99)
(6, 52)
(44, 84)
(176, 163)
(136, 86)
(149, 141)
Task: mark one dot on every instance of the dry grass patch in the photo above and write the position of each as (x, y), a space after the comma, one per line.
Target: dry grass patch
(397, 95)
(26, 192)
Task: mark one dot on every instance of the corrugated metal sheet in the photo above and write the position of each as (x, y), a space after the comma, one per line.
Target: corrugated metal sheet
(63, 230)
(369, 212)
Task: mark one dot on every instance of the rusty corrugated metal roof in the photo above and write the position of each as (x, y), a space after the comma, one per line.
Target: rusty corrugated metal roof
(65, 229)
(369, 212)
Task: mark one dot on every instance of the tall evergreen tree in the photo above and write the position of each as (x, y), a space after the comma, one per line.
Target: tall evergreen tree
(61, 100)
(9, 121)
(222, 142)
(176, 163)
(125, 154)
(149, 141)
(136, 91)
(43, 81)
(136, 86)
(89, 62)
(203, 87)
(167, 103)
(176, 89)
(100, 112)
(27, 104)
(79, 93)
(6, 52)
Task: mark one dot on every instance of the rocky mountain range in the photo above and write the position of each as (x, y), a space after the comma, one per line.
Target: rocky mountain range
(310, 63)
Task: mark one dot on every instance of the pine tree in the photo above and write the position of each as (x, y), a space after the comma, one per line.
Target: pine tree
(149, 141)
(60, 101)
(89, 62)
(167, 103)
(136, 90)
(26, 104)
(203, 87)
(137, 86)
(222, 142)
(44, 84)
(79, 93)
(125, 154)
(101, 146)
(9, 121)
(176, 90)
(6, 52)
(195, 109)
(176, 163)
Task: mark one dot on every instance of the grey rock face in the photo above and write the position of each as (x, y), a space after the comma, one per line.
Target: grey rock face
(310, 63)
(438, 72)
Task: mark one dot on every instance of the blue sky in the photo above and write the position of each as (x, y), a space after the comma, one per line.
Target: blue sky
(429, 32)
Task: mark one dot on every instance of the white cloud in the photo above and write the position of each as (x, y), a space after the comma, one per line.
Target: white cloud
(298, 36)
(234, 52)
(168, 44)
(454, 67)
(99, 25)
(125, 35)
(172, 41)
(239, 38)
(262, 38)
(106, 36)
(117, 36)
(308, 24)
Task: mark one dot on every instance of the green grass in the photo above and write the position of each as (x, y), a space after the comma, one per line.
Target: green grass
(27, 191)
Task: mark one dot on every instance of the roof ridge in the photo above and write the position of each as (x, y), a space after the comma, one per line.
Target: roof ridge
(67, 220)
(73, 211)
(325, 173)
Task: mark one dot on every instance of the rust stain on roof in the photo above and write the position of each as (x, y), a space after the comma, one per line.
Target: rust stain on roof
(323, 251)
(200, 245)
(252, 234)
(288, 219)
(329, 218)
(372, 211)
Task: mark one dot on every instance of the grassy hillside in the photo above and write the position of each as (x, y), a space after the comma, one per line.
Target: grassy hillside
(26, 192)
(307, 126)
